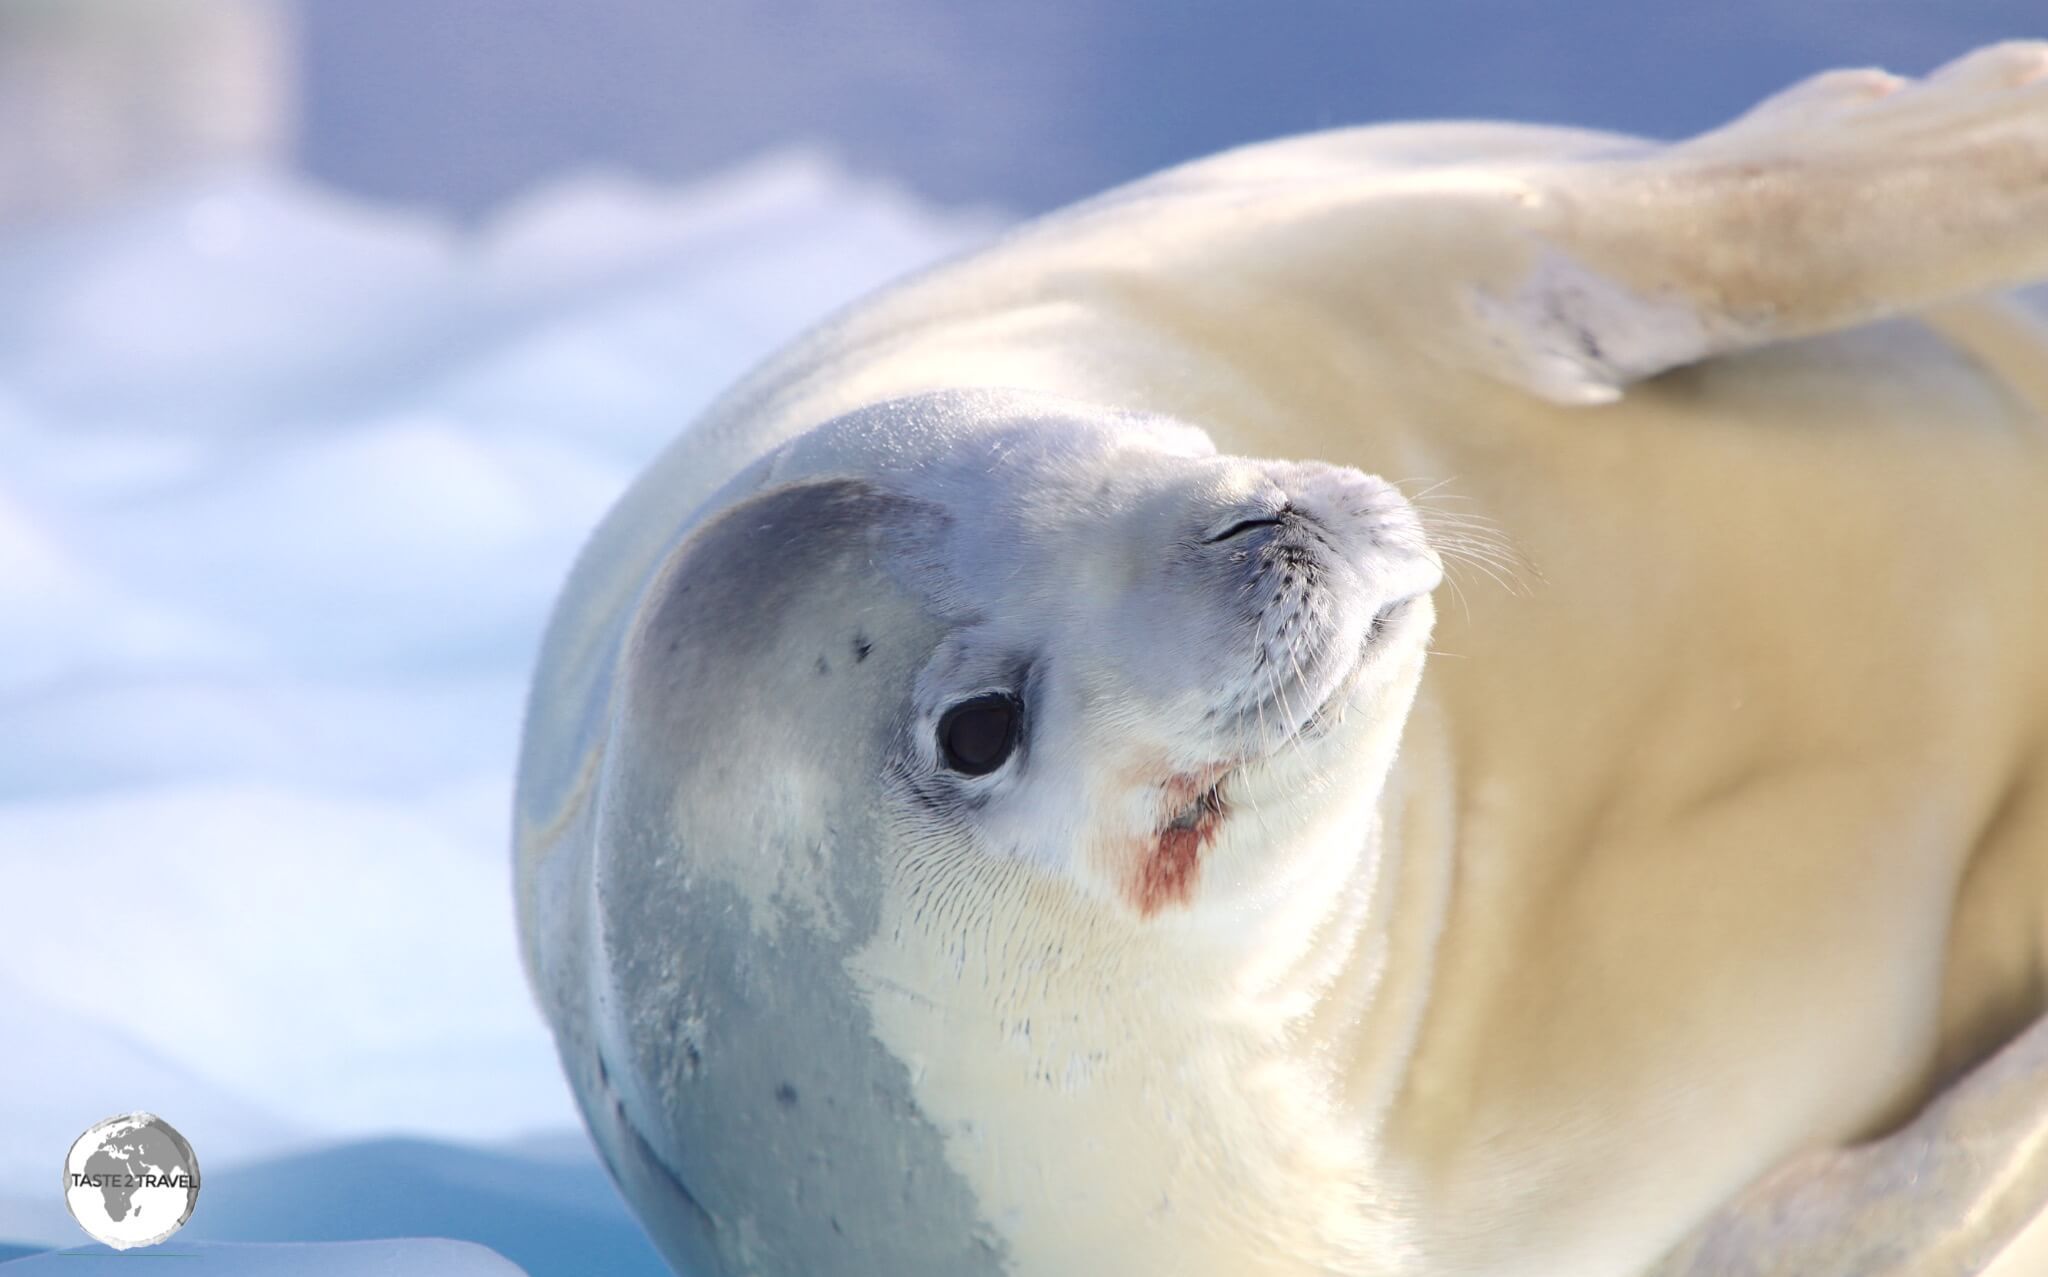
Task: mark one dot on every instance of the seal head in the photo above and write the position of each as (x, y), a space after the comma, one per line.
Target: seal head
(946, 669)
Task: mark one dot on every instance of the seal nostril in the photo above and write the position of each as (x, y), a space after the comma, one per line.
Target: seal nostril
(1243, 526)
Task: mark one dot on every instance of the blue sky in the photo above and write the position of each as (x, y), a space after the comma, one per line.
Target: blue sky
(460, 103)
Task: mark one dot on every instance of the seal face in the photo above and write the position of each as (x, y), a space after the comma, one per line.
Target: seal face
(1135, 634)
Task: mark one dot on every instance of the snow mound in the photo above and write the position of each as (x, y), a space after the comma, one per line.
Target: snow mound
(550, 1213)
(411, 1257)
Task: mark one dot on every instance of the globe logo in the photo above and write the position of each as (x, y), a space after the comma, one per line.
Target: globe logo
(131, 1181)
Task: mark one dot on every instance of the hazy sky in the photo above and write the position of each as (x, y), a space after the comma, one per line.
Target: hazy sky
(1030, 103)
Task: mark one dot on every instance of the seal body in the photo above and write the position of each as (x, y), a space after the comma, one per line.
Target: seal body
(1714, 833)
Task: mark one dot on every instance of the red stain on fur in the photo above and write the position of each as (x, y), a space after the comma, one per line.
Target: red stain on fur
(1171, 861)
(1166, 874)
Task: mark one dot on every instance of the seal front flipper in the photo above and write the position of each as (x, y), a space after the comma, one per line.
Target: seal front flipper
(1848, 198)
(1948, 1194)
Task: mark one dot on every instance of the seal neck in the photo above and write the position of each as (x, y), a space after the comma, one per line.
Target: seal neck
(1370, 1019)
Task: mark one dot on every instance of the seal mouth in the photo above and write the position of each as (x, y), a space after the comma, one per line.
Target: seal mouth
(1383, 618)
(1383, 624)
(1167, 871)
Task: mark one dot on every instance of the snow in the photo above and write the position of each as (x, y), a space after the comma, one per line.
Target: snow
(546, 1204)
(287, 485)
(413, 1257)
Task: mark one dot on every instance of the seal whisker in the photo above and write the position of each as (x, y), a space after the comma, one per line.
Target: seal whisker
(1298, 723)
(1503, 568)
(1434, 487)
(1458, 593)
(1477, 537)
(1470, 532)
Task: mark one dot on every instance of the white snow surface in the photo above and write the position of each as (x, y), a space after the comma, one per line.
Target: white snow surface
(408, 1257)
(287, 484)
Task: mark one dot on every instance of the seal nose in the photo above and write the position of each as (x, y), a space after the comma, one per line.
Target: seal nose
(1335, 494)
(1324, 499)
(1322, 524)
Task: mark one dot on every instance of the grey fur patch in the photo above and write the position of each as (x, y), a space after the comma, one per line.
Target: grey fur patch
(759, 1127)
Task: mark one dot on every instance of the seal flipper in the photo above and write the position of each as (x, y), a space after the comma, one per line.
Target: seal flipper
(1846, 199)
(1946, 1194)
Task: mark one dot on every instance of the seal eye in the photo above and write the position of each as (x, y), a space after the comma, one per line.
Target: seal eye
(976, 736)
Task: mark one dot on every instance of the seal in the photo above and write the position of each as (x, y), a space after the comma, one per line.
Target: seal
(1003, 794)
